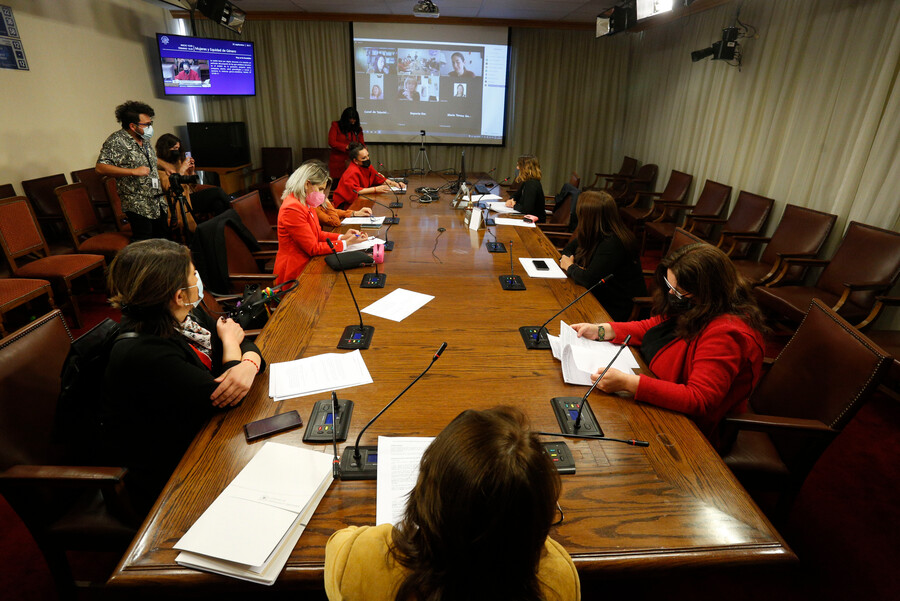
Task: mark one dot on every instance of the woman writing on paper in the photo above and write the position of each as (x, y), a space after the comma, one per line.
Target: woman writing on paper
(300, 236)
(704, 341)
(529, 198)
(476, 524)
(183, 366)
(601, 246)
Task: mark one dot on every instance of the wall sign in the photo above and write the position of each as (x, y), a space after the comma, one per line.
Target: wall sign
(12, 54)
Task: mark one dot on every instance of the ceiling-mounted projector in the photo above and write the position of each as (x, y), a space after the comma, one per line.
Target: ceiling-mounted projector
(426, 8)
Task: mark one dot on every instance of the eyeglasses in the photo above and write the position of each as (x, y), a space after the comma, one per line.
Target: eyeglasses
(144, 124)
(677, 294)
(562, 516)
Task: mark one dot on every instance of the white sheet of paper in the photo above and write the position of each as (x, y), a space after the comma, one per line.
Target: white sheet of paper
(398, 469)
(554, 271)
(398, 305)
(514, 222)
(500, 207)
(314, 375)
(486, 197)
(363, 245)
(363, 221)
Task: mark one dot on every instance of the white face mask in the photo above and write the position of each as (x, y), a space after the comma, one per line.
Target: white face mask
(199, 287)
(148, 133)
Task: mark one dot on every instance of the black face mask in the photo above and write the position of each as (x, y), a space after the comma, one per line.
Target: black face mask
(366, 164)
(679, 305)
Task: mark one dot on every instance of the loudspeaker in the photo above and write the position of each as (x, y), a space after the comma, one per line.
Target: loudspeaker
(219, 144)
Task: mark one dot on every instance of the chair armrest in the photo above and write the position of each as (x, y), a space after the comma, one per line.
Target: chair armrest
(748, 237)
(797, 260)
(708, 218)
(65, 474)
(264, 254)
(863, 286)
(553, 227)
(268, 243)
(774, 423)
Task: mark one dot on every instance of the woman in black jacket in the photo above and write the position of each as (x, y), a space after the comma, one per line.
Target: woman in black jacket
(184, 365)
(601, 246)
(529, 198)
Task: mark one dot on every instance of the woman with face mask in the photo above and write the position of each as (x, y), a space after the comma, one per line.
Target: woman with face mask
(171, 160)
(300, 236)
(182, 366)
(704, 341)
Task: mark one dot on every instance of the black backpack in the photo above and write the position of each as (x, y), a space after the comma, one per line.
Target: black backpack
(78, 424)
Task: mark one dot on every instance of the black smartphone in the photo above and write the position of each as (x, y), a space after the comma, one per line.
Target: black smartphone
(272, 425)
(540, 265)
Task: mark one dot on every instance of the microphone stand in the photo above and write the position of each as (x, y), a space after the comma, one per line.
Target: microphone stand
(396, 204)
(536, 338)
(511, 281)
(354, 337)
(389, 221)
(494, 247)
(361, 462)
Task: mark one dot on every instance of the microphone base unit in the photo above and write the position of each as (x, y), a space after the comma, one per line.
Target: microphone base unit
(322, 421)
(391, 220)
(565, 408)
(356, 337)
(534, 337)
(496, 247)
(366, 469)
(389, 246)
(396, 205)
(490, 221)
(512, 282)
(373, 280)
(561, 456)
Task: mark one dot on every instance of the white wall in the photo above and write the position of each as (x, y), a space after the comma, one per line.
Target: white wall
(86, 57)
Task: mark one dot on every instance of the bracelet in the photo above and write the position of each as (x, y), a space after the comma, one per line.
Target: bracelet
(252, 362)
(601, 332)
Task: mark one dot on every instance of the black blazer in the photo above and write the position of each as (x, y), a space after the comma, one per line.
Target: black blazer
(610, 257)
(530, 199)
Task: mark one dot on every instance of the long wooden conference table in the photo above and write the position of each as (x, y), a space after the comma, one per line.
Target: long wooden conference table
(629, 512)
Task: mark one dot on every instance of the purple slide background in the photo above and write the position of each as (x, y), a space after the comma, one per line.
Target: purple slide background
(236, 55)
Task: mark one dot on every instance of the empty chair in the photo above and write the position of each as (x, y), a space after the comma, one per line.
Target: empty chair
(818, 382)
(276, 162)
(865, 265)
(643, 181)
(749, 216)
(21, 237)
(309, 153)
(85, 228)
(635, 214)
(712, 202)
(245, 266)
(15, 292)
(800, 233)
(7, 190)
(276, 189)
(43, 201)
(615, 181)
(96, 189)
(115, 203)
(249, 209)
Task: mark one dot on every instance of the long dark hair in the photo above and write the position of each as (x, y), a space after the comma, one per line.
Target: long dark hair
(164, 145)
(477, 520)
(598, 218)
(143, 279)
(344, 123)
(715, 285)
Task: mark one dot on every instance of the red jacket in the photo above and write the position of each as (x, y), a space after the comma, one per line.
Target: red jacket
(705, 378)
(355, 178)
(299, 238)
(339, 141)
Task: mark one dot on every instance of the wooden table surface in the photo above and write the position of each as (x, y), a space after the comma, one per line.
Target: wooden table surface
(628, 510)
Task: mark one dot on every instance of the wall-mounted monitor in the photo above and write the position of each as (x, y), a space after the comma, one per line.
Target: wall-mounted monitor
(205, 66)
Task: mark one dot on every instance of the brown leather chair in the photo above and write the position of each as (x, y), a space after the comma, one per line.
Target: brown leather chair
(680, 237)
(615, 180)
(15, 292)
(320, 154)
(7, 190)
(866, 265)
(642, 181)
(40, 194)
(277, 161)
(276, 188)
(637, 212)
(249, 209)
(825, 373)
(65, 507)
(749, 216)
(21, 237)
(84, 226)
(712, 202)
(244, 266)
(115, 203)
(96, 189)
(560, 213)
(800, 233)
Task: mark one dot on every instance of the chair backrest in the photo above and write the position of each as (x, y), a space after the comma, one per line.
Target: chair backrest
(825, 372)
(575, 180)
(800, 231)
(31, 360)
(309, 153)
(276, 161)
(94, 182)
(682, 237)
(239, 258)
(677, 187)
(249, 209)
(277, 189)
(115, 202)
(713, 200)
(7, 190)
(19, 231)
(629, 166)
(749, 215)
(75, 202)
(40, 192)
(867, 254)
(643, 181)
(562, 211)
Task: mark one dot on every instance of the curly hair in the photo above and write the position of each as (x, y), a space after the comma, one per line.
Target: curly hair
(529, 168)
(130, 112)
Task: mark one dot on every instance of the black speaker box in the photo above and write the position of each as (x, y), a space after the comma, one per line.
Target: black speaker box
(219, 144)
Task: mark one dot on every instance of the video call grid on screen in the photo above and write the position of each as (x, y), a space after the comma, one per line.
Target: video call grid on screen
(449, 81)
(204, 66)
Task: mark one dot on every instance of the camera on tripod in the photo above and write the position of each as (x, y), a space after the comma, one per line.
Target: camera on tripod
(176, 181)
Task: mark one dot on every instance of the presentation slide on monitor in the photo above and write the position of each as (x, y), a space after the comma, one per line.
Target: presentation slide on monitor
(448, 81)
(203, 66)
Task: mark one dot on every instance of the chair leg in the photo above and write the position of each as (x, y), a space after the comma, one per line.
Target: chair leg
(76, 310)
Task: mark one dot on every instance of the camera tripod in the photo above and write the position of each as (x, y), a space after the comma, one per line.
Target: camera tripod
(422, 158)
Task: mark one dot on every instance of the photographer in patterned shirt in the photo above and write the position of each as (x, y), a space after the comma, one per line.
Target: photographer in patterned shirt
(128, 156)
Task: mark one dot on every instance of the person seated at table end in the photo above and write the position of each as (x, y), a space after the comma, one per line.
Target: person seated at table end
(361, 178)
(300, 237)
(528, 199)
(704, 341)
(476, 524)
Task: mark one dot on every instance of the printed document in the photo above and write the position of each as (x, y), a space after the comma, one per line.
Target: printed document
(581, 357)
(398, 469)
(318, 374)
(515, 222)
(398, 305)
(363, 221)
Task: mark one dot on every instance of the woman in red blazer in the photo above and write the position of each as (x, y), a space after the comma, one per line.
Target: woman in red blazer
(299, 235)
(704, 341)
(343, 133)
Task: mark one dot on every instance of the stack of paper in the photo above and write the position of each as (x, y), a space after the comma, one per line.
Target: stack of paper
(398, 469)
(513, 222)
(500, 207)
(485, 197)
(581, 357)
(363, 221)
(363, 245)
(250, 530)
(314, 375)
(553, 270)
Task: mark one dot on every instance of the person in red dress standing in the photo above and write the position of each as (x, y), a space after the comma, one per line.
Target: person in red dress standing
(343, 133)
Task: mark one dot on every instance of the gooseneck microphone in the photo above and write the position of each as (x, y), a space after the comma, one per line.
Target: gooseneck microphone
(511, 281)
(393, 219)
(633, 442)
(570, 411)
(536, 338)
(336, 461)
(494, 247)
(354, 337)
(361, 463)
